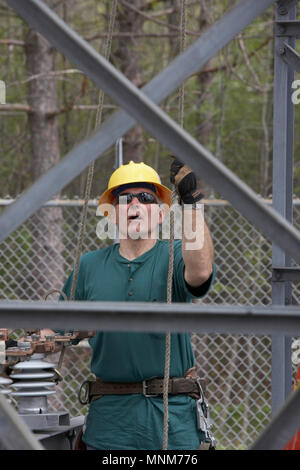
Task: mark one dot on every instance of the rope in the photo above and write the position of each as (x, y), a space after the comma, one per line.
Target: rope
(61, 356)
(171, 244)
(181, 49)
(168, 335)
(52, 291)
(91, 168)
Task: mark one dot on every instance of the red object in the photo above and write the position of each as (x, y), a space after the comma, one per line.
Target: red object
(294, 443)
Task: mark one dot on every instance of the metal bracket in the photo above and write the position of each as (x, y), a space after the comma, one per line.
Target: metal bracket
(287, 28)
(289, 56)
(46, 420)
(283, 6)
(286, 274)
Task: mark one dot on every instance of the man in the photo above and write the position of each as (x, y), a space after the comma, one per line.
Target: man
(126, 412)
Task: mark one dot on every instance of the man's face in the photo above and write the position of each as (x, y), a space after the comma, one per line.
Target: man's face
(138, 218)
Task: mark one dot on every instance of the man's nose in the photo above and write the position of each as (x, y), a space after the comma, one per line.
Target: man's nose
(134, 200)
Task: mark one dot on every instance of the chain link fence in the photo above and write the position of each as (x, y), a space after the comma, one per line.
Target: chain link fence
(40, 254)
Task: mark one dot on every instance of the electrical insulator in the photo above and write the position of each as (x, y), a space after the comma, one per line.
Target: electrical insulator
(33, 382)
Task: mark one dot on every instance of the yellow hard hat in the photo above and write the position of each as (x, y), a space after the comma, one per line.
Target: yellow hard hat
(135, 173)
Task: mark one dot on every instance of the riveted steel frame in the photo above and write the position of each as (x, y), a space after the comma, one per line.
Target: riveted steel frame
(285, 274)
(151, 317)
(283, 426)
(285, 62)
(151, 117)
(287, 28)
(275, 224)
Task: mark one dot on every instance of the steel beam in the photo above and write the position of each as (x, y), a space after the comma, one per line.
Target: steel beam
(291, 274)
(290, 56)
(76, 202)
(62, 437)
(154, 120)
(282, 427)
(150, 316)
(283, 154)
(14, 434)
(283, 6)
(287, 28)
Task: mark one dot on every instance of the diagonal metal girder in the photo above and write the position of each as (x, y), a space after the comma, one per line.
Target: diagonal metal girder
(155, 121)
(45, 21)
(14, 433)
(290, 56)
(283, 426)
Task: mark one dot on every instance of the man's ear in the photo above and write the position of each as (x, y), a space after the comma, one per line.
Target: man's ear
(107, 210)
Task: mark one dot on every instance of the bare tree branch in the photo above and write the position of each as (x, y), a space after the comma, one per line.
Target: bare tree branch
(56, 73)
(12, 42)
(131, 35)
(13, 107)
(248, 63)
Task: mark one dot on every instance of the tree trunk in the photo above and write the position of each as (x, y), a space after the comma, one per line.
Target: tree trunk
(129, 53)
(204, 81)
(47, 260)
(174, 20)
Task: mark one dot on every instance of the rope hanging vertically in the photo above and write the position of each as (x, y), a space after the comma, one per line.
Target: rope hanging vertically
(171, 242)
(90, 175)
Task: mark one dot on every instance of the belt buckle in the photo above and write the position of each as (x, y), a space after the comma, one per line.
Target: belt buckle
(145, 386)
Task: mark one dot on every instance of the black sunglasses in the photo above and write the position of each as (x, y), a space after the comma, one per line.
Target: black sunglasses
(144, 198)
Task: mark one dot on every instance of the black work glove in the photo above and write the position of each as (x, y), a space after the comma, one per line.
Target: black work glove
(185, 183)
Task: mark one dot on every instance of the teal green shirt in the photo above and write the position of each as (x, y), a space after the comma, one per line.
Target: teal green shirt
(134, 421)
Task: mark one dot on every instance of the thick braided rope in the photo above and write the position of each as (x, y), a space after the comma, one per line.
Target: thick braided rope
(61, 356)
(168, 335)
(91, 166)
(171, 244)
(90, 170)
(182, 48)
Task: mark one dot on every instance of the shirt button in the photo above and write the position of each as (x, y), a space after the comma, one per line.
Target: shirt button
(128, 265)
(130, 293)
(131, 279)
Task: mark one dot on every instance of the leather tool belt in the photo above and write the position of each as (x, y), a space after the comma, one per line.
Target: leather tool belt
(188, 385)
